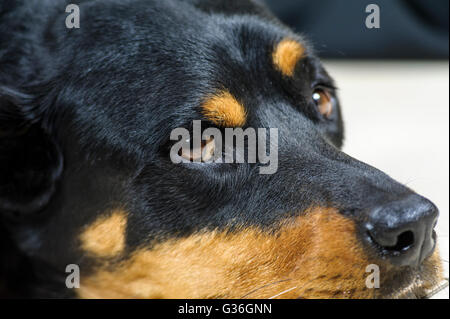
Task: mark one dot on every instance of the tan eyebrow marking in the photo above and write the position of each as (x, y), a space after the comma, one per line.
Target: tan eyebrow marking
(106, 236)
(286, 55)
(224, 110)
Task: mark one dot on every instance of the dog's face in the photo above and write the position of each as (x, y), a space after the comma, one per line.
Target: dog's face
(87, 176)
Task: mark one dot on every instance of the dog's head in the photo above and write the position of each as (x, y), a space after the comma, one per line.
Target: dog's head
(88, 174)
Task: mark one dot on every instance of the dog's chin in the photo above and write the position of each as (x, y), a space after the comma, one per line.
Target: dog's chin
(414, 283)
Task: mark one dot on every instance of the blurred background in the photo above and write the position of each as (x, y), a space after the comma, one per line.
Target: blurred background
(409, 29)
(393, 84)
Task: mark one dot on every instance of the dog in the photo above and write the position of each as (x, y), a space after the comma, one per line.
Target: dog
(93, 206)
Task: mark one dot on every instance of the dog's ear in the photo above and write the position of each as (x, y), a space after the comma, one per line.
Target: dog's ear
(30, 160)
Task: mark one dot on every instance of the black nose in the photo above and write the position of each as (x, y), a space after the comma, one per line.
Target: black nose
(402, 231)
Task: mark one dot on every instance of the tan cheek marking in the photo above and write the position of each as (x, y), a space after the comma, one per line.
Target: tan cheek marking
(106, 236)
(286, 56)
(312, 251)
(224, 110)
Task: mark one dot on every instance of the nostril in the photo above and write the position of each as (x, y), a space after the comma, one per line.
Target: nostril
(404, 241)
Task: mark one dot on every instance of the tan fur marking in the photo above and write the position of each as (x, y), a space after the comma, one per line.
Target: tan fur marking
(286, 56)
(220, 264)
(316, 255)
(106, 236)
(224, 110)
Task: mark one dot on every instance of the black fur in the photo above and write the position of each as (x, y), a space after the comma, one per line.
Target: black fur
(86, 116)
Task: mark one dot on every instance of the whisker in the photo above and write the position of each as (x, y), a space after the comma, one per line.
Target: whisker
(440, 287)
(444, 284)
(282, 293)
(265, 286)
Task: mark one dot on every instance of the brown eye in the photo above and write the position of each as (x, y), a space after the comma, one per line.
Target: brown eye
(204, 153)
(324, 102)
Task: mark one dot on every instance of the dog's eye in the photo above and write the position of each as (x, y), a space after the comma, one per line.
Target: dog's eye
(203, 153)
(322, 98)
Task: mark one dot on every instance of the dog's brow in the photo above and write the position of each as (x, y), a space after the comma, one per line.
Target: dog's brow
(224, 110)
(286, 55)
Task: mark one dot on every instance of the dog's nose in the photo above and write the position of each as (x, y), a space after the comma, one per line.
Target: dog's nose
(402, 231)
